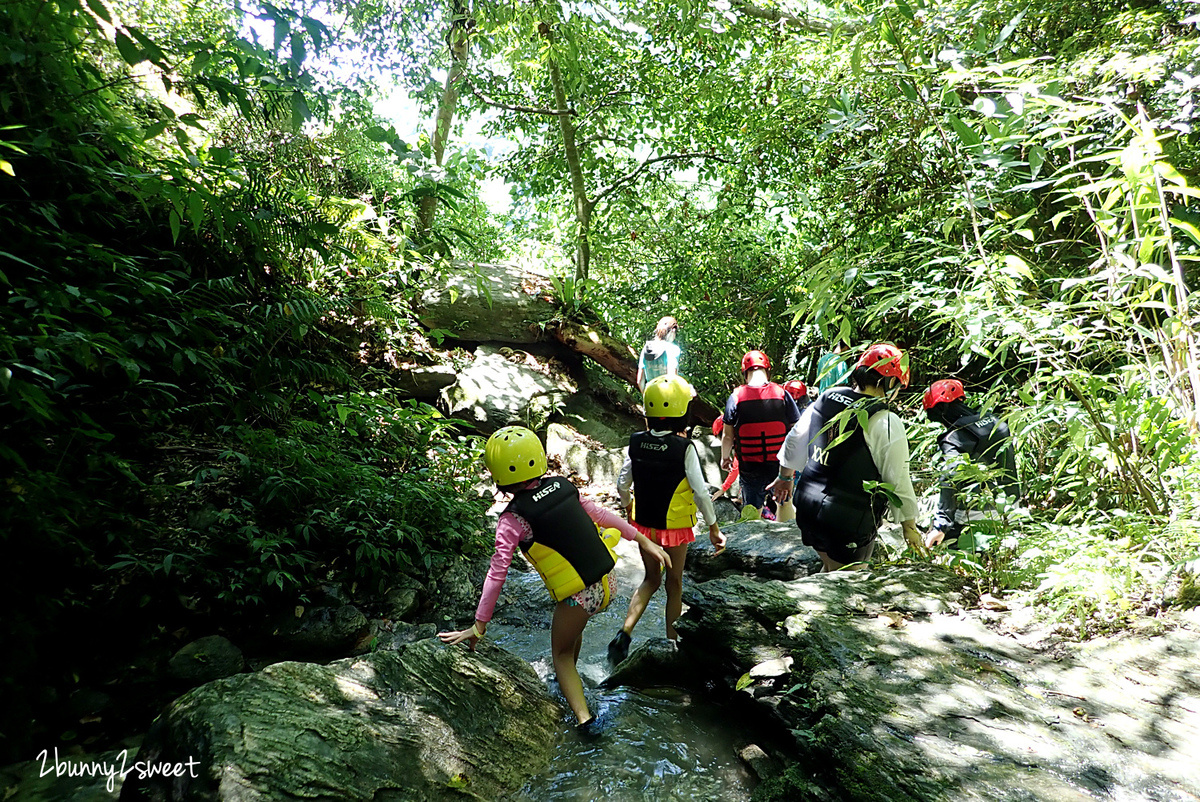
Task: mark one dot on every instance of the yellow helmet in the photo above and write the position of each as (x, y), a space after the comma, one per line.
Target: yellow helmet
(667, 397)
(514, 454)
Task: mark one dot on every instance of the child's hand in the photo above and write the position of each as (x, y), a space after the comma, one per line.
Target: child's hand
(654, 550)
(717, 538)
(471, 635)
(716, 495)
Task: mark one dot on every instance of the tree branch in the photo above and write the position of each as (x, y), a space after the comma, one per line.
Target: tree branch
(641, 168)
(808, 24)
(487, 101)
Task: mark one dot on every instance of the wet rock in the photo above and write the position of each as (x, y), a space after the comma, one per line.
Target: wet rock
(47, 780)
(893, 694)
(763, 766)
(426, 722)
(757, 548)
(205, 660)
(455, 594)
(523, 601)
(322, 630)
(652, 663)
(727, 512)
(403, 598)
(493, 392)
(488, 303)
(402, 634)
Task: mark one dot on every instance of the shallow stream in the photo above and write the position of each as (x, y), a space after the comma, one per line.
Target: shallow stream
(656, 744)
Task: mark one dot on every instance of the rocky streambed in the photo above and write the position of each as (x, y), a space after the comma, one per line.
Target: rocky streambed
(882, 685)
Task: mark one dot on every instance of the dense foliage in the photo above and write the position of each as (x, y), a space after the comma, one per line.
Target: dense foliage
(200, 287)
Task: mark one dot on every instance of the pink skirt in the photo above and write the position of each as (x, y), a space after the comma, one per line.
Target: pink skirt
(667, 537)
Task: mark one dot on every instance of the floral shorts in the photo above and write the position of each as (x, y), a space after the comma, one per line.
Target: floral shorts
(596, 596)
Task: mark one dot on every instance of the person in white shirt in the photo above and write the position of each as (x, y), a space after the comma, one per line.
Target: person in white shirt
(829, 454)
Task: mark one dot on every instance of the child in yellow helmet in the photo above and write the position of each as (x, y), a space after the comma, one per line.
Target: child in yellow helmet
(668, 485)
(556, 530)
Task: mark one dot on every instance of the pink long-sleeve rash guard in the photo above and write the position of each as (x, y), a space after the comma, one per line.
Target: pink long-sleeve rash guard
(511, 529)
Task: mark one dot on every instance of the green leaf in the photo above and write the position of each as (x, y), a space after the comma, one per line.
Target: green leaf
(1018, 265)
(743, 682)
(300, 110)
(154, 130)
(128, 50)
(965, 132)
(100, 10)
(6, 167)
(856, 60)
(196, 210)
(298, 51)
(175, 225)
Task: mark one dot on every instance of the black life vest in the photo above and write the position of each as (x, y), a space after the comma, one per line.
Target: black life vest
(829, 493)
(566, 550)
(762, 414)
(662, 495)
(984, 439)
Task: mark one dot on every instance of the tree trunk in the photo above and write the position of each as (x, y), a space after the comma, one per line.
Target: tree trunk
(457, 40)
(583, 207)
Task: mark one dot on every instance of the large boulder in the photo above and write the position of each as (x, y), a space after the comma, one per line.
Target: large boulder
(579, 454)
(427, 722)
(891, 692)
(203, 660)
(489, 303)
(760, 548)
(321, 631)
(502, 388)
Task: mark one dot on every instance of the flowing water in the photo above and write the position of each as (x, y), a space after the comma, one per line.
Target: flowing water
(656, 743)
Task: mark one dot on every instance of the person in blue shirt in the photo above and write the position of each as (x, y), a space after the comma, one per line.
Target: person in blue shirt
(832, 367)
(660, 355)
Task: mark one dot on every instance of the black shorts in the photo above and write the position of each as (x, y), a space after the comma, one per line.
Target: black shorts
(837, 547)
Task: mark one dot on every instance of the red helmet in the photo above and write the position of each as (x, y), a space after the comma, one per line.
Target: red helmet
(796, 389)
(943, 391)
(886, 360)
(718, 426)
(755, 359)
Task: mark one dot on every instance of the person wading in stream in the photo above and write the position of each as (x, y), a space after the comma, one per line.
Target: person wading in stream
(668, 487)
(969, 438)
(836, 455)
(757, 417)
(556, 531)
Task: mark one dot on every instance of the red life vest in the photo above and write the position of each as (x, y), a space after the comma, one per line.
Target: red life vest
(761, 427)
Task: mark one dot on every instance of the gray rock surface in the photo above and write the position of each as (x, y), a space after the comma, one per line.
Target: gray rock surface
(428, 722)
(495, 391)
(208, 658)
(759, 548)
(489, 303)
(596, 464)
(651, 663)
(893, 693)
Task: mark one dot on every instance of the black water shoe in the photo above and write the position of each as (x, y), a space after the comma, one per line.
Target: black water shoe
(618, 648)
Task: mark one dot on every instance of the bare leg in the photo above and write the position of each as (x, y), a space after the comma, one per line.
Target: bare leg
(641, 596)
(566, 634)
(861, 555)
(675, 587)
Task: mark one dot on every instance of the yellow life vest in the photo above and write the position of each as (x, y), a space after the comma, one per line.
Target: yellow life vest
(560, 577)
